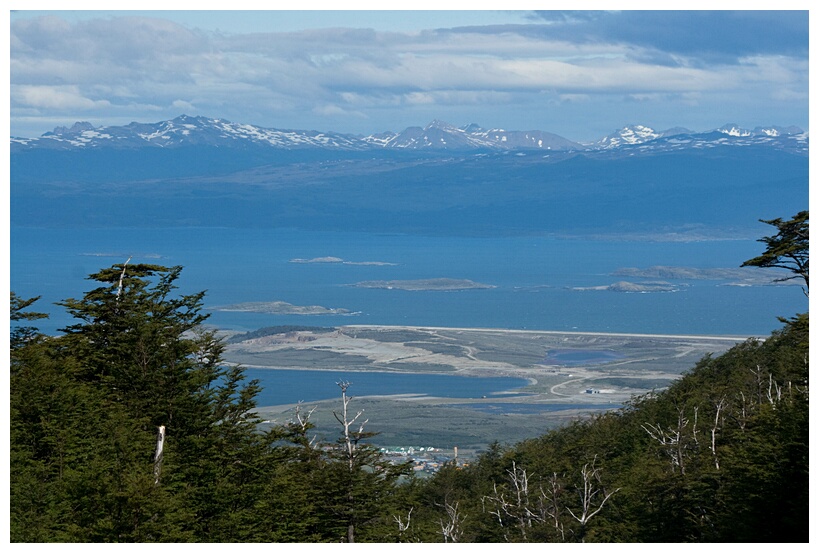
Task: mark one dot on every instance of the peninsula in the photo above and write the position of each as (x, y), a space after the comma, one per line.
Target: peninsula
(570, 374)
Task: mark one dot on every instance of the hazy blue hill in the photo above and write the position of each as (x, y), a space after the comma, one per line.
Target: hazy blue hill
(125, 165)
(714, 190)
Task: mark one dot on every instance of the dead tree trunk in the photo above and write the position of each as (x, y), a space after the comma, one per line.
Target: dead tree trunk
(121, 278)
(719, 405)
(350, 441)
(350, 444)
(160, 444)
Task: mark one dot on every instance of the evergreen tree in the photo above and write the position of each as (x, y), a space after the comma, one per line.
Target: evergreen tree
(130, 428)
(719, 456)
(788, 248)
(87, 408)
(22, 334)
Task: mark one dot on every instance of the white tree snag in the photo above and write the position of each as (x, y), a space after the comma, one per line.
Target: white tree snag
(403, 526)
(674, 441)
(160, 444)
(551, 505)
(451, 528)
(350, 444)
(121, 278)
(303, 422)
(774, 391)
(350, 441)
(719, 405)
(589, 493)
(518, 508)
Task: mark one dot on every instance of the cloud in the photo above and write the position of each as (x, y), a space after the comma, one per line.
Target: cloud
(712, 36)
(54, 97)
(335, 110)
(183, 106)
(125, 66)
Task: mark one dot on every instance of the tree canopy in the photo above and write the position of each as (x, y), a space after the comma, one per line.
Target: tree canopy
(129, 427)
(788, 248)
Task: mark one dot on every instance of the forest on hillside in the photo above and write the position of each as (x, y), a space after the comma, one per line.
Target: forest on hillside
(128, 427)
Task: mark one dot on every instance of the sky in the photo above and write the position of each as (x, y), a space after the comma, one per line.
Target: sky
(578, 74)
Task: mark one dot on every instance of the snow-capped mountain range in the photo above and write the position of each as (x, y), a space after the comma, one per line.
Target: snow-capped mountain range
(202, 131)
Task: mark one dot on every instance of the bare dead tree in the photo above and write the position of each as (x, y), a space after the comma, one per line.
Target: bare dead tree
(743, 411)
(350, 443)
(674, 440)
(403, 526)
(495, 498)
(451, 528)
(718, 407)
(350, 438)
(517, 507)
(303, 420)
(592, 497)
(551, 504)
(302, 424)
(774, 391)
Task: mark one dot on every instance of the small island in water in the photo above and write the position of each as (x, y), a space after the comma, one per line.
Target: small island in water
(741, 276)
(443, 284)
(331, 259)
(281, 308)
(643, 287)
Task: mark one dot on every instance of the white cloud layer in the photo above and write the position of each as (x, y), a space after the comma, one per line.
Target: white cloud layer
(111, 70)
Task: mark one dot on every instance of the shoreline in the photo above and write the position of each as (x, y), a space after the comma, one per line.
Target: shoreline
(726, 337)
(550, 393)
(642, 362)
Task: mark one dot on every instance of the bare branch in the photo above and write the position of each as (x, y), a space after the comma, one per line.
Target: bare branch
(304, 420)
(403, 526)
(451, 528)
(588, 492)
(774, 391)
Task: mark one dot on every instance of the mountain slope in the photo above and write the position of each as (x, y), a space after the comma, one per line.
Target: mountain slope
(435, 180)
(186, 131)
(719, 456)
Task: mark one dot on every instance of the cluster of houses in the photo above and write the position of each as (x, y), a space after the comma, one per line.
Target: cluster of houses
(426, 460)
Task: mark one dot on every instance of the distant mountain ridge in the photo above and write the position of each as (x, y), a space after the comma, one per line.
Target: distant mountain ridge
(436, 136)
(437, 180)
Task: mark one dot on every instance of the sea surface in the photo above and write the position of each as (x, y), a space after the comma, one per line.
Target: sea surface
(532, 279)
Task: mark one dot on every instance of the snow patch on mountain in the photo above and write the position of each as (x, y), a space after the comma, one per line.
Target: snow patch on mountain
(734, 130)
(629, 135)
(438, 135)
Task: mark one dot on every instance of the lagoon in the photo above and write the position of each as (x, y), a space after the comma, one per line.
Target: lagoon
(286, 386)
